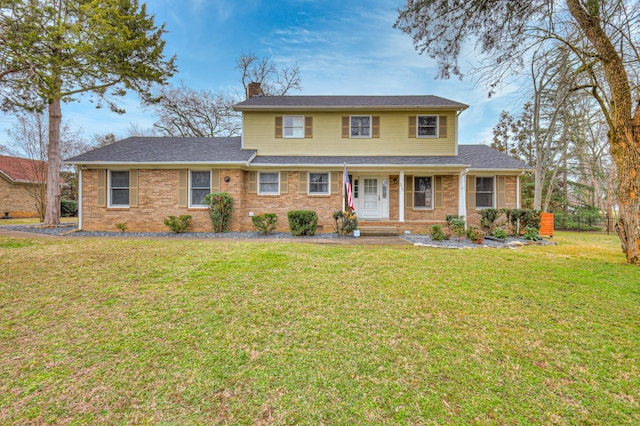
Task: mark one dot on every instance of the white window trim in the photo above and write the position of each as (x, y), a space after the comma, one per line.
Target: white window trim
(328, 183)
(433, 183)
(418, 135)
(191, 205)
(370, 126)
(284, 133)
(493, 193)
(109, 204)
(268, 193)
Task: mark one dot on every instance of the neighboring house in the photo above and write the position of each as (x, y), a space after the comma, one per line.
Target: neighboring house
(402, 154)
(22, 182)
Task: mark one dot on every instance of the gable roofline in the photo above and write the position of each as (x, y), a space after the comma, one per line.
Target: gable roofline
(350, 103)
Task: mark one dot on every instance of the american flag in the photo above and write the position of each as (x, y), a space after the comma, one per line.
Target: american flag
(347, 184)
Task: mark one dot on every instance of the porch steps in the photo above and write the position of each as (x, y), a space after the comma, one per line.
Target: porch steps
(378, 231)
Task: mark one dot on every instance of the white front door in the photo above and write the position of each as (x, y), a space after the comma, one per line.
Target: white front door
(370, 204)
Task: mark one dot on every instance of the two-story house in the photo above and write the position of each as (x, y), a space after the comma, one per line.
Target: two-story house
(402, 154)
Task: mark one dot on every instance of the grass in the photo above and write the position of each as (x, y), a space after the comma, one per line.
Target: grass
(210, 332)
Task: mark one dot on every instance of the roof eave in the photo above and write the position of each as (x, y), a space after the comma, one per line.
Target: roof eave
(499, 170)
(360, 166)
(322, 108)
(156, 163)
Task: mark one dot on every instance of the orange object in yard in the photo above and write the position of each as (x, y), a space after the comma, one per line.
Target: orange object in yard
(546, 224)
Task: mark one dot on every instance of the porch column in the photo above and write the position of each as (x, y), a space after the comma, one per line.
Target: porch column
(462, 194)
(401, 198)
(80, 199)
(518, 203)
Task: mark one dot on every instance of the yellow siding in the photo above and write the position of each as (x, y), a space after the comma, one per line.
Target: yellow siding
(259, 134)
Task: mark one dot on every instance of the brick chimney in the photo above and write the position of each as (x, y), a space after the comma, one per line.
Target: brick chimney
(254, 89)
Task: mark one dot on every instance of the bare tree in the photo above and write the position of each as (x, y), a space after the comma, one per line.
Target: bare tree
(595, 166)
(602, 36)
(183, 111)
(29, 138)
(103, 139)
(135, 129)
(274, 81)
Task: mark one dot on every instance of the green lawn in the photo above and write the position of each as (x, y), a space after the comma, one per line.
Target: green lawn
(211, 332)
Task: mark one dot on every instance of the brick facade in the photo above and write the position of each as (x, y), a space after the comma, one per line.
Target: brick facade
(158, 197)
(17, 199)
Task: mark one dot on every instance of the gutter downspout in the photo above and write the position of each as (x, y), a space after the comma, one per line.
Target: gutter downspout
(518, 195)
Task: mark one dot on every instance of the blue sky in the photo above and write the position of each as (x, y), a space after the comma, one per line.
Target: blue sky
(343, 47)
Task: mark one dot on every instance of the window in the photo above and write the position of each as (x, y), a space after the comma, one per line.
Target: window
(484, 192)
(427, 126)
(118, 188)
(293, 126)
(423, 192)
(319, 183)
(200, 186)
(360, 126)
(269, 183)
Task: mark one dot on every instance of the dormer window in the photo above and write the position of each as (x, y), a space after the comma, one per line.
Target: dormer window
(360, 126)
(427, 126)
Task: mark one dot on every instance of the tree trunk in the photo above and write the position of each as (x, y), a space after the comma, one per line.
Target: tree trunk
(539, 176)
(624, 132)
(52, 216)
(627, 158)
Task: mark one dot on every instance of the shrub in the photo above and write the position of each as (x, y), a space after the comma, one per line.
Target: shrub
(178, 224)
(122, 227)
(451, 217)
(265, 223)
(346, 222)
(531, 234)
(220, 208)
(500, 233)
(531, 219)
(488, 218)
(302, 222)
(457, 226)
(475, 234)
(519, 219)
(437, 234)
(68, 208)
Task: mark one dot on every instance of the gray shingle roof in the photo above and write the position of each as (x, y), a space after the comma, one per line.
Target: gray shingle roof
(485, 157)
(474, 157)
(168, 150)
(158, 150)
(413, 102)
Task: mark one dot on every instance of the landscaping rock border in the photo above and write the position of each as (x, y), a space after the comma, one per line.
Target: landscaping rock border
(71, 230)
